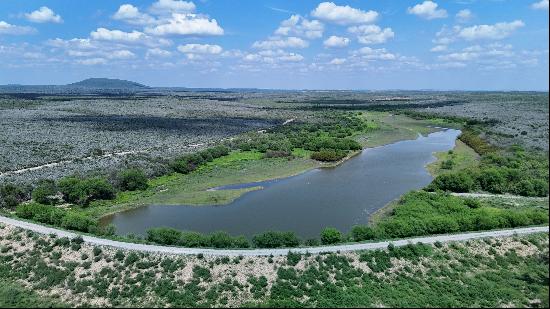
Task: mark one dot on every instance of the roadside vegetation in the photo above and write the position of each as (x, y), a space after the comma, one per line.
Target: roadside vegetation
(57, 272)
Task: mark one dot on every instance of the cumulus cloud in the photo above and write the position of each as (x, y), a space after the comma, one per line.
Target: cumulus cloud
(120, 54)
(296, 25)
(490, 32)
(134, 37)
(200, 49)
(337, 61)
(6, 28)
(43, 15)
(336, 41)
(427, 10)
(188, 25)
(131, 14)
(157, 52)
(540, 5)
(491, 55)
(291, 57)
(172, 6)
(343, 15)
(439, 48)
(374, 54)
(72, 43)
(273, 56)
(371, 34)
(464, 16)
(274, 43)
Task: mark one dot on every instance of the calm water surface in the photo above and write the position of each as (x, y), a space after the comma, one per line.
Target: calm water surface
(337, 197)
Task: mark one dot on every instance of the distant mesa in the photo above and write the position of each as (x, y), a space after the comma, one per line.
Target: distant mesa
(107, 83)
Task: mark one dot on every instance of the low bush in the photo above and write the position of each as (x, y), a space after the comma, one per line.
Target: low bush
(41, 213)
(171, 237)
(330, 236)
(456, 182)
(79, 222)
(45, 192)
(132, 180)
(272, 239)
(84, 190)
(362, 232)
(11, 195)
(329, 155)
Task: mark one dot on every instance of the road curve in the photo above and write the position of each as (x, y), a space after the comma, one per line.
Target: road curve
(266, 252)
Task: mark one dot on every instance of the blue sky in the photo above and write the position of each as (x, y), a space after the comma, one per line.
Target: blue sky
(354, 44)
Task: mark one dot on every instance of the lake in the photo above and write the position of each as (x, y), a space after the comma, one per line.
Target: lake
(337, 197)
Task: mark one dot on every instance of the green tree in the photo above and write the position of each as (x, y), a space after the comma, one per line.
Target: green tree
(330, 235)
(45, 192)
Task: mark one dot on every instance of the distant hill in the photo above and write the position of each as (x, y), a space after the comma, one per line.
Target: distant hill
(107, 83)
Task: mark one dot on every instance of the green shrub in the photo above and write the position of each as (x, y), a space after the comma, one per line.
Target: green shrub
(362, 232)
(193, 239)
(492, 180)
(11, 195)
(330, 236)
(272, 239)
(83, 191)
(79, 222)
(456, 182)
(220, 239)
(41, 213)
(164, 236)
(132, 180)
(328, 155)
(45, 192)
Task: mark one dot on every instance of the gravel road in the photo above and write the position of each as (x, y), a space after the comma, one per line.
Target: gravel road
(266, 252)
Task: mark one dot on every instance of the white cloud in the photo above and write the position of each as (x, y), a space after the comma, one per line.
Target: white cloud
(92, 61)
(273, 57)
(134, 37)
(464, 16)
(482, 55)
(371, 34)
(172, 6)
(490, 32)
(337, 61)
(439, 48)
(200, 49)
(541, 5)
(296, 25)
(131, 14)
(116, 35)
(343, 15)
(120, 54)
(272, 43)
(157, 52)
(292, 57)
(427, 10)
(73, 44)
(187, 24)
(336, 41)
(6, 28)
(43, 15)
(374, 54)
(462, 56)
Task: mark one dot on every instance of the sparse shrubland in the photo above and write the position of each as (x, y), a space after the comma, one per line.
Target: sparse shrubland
(43, 271)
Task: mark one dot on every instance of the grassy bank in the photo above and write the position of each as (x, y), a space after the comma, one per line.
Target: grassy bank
(459, 158)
